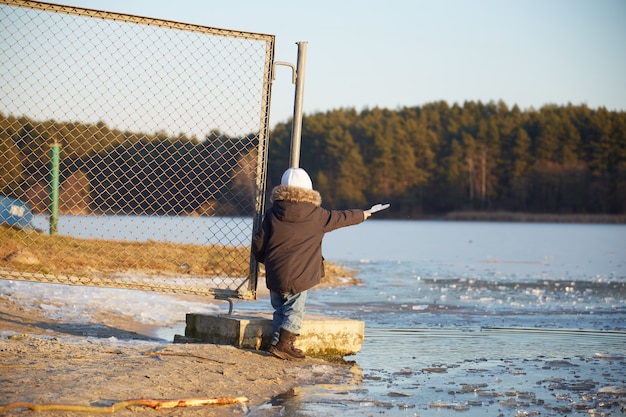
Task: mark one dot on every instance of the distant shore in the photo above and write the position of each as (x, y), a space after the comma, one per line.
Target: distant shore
(509, 216)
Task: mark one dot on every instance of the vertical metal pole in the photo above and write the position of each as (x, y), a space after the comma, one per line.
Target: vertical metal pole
(54, 188)
(296, 127)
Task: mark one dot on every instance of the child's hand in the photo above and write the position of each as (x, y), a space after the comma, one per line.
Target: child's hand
(366, 214)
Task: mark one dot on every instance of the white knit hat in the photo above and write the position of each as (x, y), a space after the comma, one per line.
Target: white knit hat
(297, 177)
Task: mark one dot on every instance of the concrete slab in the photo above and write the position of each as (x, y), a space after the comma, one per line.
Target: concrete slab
(320, 336)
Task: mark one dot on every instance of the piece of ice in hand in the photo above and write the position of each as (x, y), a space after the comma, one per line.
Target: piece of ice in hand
(377, 207)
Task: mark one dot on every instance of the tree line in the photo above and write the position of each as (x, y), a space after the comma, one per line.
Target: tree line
(439, 158)
(424, 160)
(107, 171)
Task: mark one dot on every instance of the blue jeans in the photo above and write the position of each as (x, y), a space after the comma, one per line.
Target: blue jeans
(288, 312)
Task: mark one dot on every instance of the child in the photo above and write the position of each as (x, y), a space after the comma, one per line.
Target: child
(289, 243)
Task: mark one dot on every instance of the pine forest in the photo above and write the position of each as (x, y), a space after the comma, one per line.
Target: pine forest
(425, 161)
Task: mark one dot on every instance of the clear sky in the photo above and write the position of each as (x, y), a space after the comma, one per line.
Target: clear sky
(395, 53)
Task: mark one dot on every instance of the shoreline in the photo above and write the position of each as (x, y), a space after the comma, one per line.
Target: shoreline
(113, 358)
(54, 361)
(524, 217)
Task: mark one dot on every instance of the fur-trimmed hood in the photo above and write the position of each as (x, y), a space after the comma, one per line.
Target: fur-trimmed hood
(296, 195)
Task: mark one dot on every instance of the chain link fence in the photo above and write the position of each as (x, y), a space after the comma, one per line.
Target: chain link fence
(139, 146)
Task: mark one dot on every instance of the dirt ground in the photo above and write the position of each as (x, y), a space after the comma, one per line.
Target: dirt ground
(44, 362)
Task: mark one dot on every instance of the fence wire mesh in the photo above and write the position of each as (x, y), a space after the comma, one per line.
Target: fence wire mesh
(160, 130)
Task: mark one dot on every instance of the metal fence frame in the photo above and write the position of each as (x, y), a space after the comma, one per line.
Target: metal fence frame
(235, 286)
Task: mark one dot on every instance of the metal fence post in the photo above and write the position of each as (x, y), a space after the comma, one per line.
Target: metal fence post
(296, 127)
(54, 187)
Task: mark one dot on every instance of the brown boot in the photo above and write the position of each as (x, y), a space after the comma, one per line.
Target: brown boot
(295, 349)
(284, 349)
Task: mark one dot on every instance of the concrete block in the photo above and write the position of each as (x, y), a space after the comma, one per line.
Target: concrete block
(320, 336)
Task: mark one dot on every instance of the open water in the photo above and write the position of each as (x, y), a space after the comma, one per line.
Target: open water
(470, 318)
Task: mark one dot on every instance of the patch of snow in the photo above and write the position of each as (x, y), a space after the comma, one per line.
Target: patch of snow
(83, 303)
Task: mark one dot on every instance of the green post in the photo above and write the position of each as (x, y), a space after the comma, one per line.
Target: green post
(54, 188)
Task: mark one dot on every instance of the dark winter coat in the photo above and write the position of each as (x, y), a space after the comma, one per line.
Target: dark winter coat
(289, 241)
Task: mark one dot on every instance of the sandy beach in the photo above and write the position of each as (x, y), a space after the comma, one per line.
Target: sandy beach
(44, 361)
